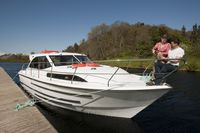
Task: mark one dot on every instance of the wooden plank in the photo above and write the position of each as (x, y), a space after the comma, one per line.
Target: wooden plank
(26, 120)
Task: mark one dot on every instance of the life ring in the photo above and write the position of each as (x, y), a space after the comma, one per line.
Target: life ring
(48, 51)
(85, 64)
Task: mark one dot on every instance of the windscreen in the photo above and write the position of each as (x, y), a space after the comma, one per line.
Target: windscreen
(83, 59)
(61, 60)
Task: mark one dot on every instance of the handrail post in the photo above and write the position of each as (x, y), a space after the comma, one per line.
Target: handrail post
(73, 75)
(148, 67)
(112, 76)
(51, 70)
(26, 71)
(31, 72)
(38, 69)
(168, 74)
(22, 67)
(128, 65)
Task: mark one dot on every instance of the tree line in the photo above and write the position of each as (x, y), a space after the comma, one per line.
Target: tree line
(14, 58)
(124, 40)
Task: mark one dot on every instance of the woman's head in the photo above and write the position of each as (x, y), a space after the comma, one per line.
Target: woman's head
(164, 38)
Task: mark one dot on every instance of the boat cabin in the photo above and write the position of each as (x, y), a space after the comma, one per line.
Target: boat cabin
(53, 59)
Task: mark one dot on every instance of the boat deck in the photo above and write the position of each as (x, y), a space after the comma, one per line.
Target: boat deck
(29, 119)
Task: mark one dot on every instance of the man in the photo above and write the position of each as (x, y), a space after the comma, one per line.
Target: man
(173, 59)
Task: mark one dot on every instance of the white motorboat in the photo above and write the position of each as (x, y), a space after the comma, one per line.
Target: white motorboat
(72, 81)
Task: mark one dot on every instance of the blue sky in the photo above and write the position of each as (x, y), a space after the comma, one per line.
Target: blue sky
(35, 25)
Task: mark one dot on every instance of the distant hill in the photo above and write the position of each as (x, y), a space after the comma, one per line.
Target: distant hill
(124, 40)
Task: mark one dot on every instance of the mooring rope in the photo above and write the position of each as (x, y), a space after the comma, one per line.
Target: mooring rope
(30, 102)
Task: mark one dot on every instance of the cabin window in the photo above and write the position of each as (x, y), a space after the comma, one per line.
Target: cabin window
(60, 60)
(40, 63)
(83, 59)
(66, 77)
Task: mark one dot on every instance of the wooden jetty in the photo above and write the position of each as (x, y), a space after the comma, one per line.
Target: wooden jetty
(27, 120)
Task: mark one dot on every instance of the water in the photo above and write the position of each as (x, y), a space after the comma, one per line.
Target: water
(11, 68)
(176, 112)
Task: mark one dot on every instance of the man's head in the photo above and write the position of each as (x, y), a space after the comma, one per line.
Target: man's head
(175, 43)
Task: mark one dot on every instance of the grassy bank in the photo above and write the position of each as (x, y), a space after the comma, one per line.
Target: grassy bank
(190, 65)
(134, 63)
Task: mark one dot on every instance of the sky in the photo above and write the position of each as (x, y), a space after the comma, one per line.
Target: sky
(35, 25)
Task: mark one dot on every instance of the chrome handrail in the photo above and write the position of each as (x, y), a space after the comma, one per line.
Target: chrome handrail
(112, 76)
(51, 71)
(22, 68)
(74, 75)
(75, 71)
(168, 74)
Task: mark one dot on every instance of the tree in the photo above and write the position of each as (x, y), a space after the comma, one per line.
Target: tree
(144, 49)
(198, 35)
(194, 36)
(183, 31)
(162, 30)
(76, 48)
(69, 49)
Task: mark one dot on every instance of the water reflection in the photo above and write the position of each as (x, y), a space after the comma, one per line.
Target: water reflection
(75, 122)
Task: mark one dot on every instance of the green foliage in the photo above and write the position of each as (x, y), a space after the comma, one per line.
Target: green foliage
(192, 64)
(74, 48)
(144, 49)
(124, 40)
(193, 50)
(183, 31)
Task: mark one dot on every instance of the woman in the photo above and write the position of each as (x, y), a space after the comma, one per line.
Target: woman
(161, 48)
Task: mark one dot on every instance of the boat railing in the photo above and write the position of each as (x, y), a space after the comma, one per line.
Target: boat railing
(74, 75)
(183, 62)
(41, 65)
(112, 76)
(24, 66)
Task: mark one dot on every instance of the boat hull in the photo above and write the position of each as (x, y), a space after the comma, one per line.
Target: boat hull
(115, 103)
